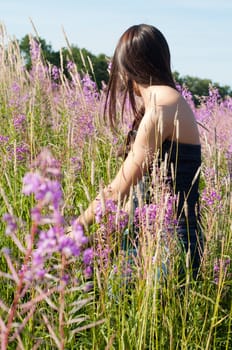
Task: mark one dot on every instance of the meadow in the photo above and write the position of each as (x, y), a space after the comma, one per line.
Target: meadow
(87, 291)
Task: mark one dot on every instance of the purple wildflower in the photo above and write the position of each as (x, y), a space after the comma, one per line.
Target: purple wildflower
(70, 65)
(186, 94)
(68, 246)
(47, 165)
(88, 272)
(15, 87)
(36, 215)
(88, 287)
(18, 98)
(11, 223)
(6, 251)
(111, 218)
(221, 266)
(148, 216)
(31, 183)
(211, 198)
(34, 49)
(78, 233)
(20, 152)
(76, 163)
(45, 190)
(88, 256)
(18, 122)
(55, 72)
(89, 86)
(66, 278)
(102, 253)
(4, 139)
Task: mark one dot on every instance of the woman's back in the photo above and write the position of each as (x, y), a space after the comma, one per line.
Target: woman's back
(178, 120)
(170, 119)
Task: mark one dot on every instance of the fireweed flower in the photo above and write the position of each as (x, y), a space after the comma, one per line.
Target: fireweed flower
(19, 122)
(111, 218)
(45, 190)
(50, 241)
(18, 99)
(11, 224)
(47, 164)
(34, 49)
(210, 174)
(20, 152)
(145, 215)
(78, 234)
(76, 164)
(209, 104)
(87, 125)
(55, 72)
(31, 183)
(82, 114)
(227, 104)
(186, 94)
(39, 71)
(70, 65)
(4, 139)
(89, 87)
(221, 266)
(211, 198)
(88, 256)
(102, 253)
(88, 272)
(148, 215)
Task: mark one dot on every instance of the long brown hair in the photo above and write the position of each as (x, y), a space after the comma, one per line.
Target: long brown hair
(142, 55)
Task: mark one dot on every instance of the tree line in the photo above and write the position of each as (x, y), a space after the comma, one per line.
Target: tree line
(97, 67)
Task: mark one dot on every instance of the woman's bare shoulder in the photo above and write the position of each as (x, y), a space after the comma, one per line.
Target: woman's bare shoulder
(170, 103)
(167, 96)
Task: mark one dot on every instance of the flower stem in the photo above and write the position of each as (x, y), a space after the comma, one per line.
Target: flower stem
(17, 295)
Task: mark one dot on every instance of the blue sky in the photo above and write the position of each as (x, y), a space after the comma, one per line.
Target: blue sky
(199, 32)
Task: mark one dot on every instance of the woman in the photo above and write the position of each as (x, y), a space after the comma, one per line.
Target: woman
(163, 121)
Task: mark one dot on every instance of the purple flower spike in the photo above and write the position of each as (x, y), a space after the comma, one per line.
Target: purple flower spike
(47, 164)
(88, 272)
(78, 234)
(11, 223)
(31, 183)
(88, 256)
(50, 242)
(45, 190)
(111, 218)
(68, 246)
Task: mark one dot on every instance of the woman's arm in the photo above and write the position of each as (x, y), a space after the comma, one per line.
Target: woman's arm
(132, 169)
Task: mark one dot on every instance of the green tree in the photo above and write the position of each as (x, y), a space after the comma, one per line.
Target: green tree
(100, 65)
(46, 49)
(200, 87)
(96, 67)
(86, 62)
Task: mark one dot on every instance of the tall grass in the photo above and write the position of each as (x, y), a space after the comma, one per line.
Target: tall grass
(123, 299)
